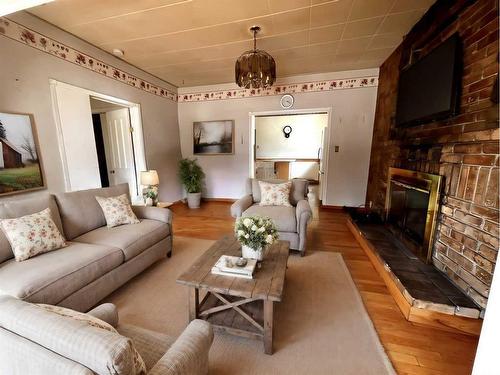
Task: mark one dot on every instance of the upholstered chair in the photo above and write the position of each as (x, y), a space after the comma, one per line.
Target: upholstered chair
(291, 221)
(36, 341)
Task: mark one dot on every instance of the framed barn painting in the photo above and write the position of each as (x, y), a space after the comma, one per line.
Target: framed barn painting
(213, 137)
(20, 165)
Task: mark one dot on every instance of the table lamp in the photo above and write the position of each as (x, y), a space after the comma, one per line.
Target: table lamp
(151, 181)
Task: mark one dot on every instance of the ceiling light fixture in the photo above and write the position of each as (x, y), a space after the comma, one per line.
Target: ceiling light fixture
(12, 6)
(255, 68)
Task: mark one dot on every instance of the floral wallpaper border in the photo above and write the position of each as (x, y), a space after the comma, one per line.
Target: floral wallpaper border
(24, 35)
(317, 86)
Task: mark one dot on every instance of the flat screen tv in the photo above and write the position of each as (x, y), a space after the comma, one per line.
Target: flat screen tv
(429, 89)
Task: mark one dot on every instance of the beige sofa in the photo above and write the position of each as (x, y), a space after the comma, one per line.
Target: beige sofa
(97, 259)
(290, 221)
(35, 341)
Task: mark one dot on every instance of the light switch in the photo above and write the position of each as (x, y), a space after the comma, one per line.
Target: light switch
(337, 148)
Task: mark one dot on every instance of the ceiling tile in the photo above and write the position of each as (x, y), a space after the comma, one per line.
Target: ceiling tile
(354, 45)
(282, 5)
(291, 21)
(370, 8)
(361, 28)
(326, 33)
(406, 5)
(400, 22)
(386, 40)
(74, 12)
(377, 54)
(330, 13)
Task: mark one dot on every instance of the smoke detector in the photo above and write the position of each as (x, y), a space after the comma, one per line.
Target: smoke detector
(118, 52)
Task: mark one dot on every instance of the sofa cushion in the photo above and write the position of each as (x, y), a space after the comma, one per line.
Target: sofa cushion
(31, 235)
(275, 194)
(297, 192)
(117, 210)
(80, 212)
(21, 207)
(132, 239)
(283, 216)
(51, 277)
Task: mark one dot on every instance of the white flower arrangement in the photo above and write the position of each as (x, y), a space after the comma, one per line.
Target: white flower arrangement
(255, 232)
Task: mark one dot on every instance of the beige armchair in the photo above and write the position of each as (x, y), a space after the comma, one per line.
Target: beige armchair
(291, 221)
(36, 341)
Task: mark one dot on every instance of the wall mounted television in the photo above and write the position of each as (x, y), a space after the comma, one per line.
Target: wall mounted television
(429, 89)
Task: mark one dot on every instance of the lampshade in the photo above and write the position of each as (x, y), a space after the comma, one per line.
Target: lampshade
(149, 178)
(255, 68)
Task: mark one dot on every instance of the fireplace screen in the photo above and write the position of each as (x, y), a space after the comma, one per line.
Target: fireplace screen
(408, 210)
(411, 208)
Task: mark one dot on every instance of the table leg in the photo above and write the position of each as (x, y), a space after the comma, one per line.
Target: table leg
(268, 326)
(194, 303)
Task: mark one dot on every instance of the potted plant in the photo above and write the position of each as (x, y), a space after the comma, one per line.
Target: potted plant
(255, 233)
(191, 176)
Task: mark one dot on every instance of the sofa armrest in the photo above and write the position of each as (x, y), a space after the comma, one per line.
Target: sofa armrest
(153, 213)
(303, 213)
(189, 353)
(106, 312)
(241, 205)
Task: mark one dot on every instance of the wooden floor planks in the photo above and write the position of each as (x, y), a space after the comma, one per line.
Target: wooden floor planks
(412, 348)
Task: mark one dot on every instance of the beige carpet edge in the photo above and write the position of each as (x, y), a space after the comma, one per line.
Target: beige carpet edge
(366, 316)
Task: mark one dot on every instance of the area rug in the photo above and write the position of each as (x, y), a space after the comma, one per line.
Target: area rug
(321, 326)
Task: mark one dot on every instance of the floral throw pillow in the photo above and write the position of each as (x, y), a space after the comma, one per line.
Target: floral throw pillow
(33, 234)
(117, 210)
(275, 194)
(139, 365)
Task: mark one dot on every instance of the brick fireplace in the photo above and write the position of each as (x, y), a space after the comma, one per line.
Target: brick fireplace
(464, 149)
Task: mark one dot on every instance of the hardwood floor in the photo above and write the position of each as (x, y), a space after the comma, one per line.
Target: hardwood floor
(412, 348)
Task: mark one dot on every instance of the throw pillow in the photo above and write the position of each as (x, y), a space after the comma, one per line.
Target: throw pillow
(139, 365)
(275, 194)
(33, 234)
(117, 210)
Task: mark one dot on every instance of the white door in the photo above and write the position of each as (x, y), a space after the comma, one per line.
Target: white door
(76, 137)
(322, 156)
(117, 134)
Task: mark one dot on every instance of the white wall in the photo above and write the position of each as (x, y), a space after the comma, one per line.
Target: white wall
(352, 124)
(24, 81)
(303, 142)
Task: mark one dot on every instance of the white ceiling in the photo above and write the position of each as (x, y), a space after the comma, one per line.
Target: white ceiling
(196, 42)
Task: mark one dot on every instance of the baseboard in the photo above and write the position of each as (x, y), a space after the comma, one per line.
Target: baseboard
(228, 200)
(328, 207)
(439, 320)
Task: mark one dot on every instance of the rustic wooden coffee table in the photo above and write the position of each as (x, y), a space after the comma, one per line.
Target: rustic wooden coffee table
(238, 306)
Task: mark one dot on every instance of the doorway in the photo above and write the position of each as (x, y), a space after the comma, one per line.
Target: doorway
(114, 143)
(100, 139)
(291, 144)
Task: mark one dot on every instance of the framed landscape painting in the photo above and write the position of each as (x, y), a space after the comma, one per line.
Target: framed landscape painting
(213, 137)
(20, 165)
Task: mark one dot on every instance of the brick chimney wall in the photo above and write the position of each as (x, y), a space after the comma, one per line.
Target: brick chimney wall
(464, 149)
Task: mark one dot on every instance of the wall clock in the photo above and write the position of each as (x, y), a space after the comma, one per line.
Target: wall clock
(286, 101)
(287, 130)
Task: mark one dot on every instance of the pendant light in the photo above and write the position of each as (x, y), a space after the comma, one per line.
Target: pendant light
(255, 68)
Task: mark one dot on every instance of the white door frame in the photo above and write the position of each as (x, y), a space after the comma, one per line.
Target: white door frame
(326, 151)
(135, 122)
